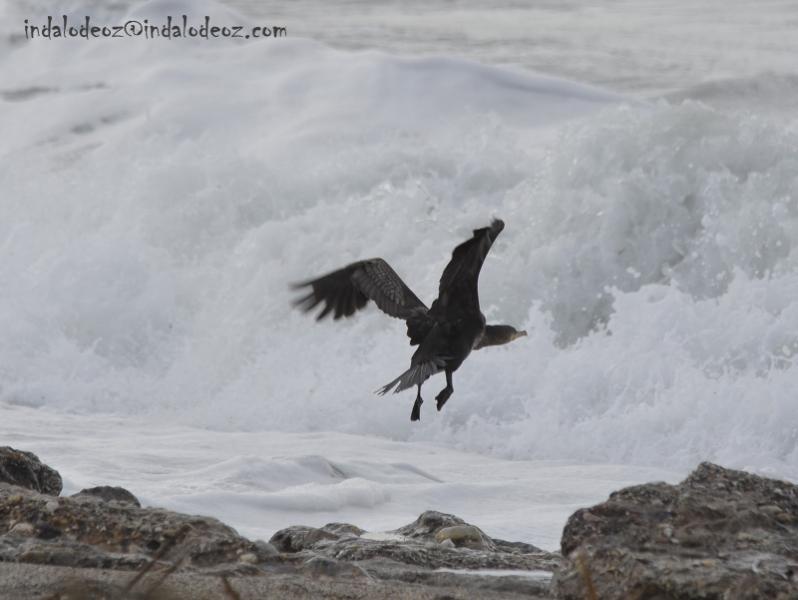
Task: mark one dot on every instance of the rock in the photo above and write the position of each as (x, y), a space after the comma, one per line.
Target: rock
(265, 548)
(89, 532)
(98, 539)
(718, 534)
(518, 547)
(299, 537)
(321, 566)
(433, 525)
(463, 536)
(26, 470)
(107, 541)
(428, 524)
(108, 494)
(20, 581)
(24, 529)
(342, 529)
(437, 549)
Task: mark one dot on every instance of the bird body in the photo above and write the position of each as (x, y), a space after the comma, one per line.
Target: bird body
(445, 333)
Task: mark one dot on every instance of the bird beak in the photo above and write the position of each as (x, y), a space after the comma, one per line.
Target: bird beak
(519, 334)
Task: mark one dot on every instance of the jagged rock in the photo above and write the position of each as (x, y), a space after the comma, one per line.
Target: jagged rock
(108, 494)
(720, 534)
(437, 549)
(428, 524)
(26, 470)
(299, 537)
(341, 529)
(83, 532)
(432, 525)
(104, 530)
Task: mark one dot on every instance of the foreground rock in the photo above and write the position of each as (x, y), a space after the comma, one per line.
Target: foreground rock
(89, 531)
(109, 494)
(437, 549)
(100, 540)
(719, 534)
(26, 470)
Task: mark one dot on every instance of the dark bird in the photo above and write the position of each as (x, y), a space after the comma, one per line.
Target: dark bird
(445, 333)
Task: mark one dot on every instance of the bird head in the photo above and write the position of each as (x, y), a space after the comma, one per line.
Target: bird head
(497, 335)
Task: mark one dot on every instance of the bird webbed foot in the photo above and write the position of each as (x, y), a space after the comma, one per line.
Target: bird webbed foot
(444, 396)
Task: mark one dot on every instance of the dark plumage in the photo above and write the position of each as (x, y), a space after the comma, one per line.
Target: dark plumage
(445, 333)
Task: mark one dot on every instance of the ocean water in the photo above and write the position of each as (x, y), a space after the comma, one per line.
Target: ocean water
(158, 198)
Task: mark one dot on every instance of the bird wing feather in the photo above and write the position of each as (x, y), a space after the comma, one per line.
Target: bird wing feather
(459, 282)
(347, 290)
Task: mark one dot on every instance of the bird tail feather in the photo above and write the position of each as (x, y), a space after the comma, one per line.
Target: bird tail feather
(415, 375)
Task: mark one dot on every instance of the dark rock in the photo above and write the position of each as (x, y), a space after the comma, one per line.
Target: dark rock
(517, 547)
(432, 525)
(104, 530)
(718, 534)
(417, 552)
(265, 548)
(321, 566)
(108, 494)
(299, 537)
(84, 532)
(342, 529)
(428, 524)
(26, 470)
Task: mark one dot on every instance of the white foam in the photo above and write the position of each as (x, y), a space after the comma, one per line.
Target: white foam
(261, 482)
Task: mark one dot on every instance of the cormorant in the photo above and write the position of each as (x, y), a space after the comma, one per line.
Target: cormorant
(445, 333)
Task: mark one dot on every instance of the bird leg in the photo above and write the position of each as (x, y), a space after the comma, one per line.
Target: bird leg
(416, 414)
(445, 392)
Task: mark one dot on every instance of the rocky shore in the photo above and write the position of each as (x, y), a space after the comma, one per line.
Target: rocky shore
(721, 534)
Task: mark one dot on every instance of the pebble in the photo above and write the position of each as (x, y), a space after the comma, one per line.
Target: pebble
(460, 535)
(23, 529)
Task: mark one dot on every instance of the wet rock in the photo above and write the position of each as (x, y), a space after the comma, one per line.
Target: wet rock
(299, 537)
(517, 547)
(428, 524)
(26, 470)
(437, 549)
(108, 494)
(321, 566)
(719, 534)
(343, 529)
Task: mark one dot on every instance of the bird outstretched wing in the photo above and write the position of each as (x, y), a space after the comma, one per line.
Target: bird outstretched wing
(460, 277)
(347, 290)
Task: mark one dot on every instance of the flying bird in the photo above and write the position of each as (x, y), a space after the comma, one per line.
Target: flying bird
(445, 333)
